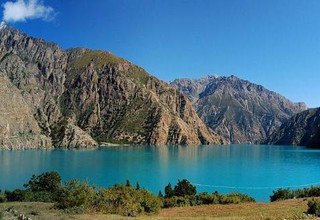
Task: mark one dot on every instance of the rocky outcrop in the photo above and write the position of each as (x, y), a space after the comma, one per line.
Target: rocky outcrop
(302, 129)
(68, 135)
(240, 111)
(18, 127)
(79, 97)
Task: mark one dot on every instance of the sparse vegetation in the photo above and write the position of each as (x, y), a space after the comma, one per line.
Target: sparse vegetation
(124, 199)
(283, 194)
(314, 207)
(99, 58)
(185, 194)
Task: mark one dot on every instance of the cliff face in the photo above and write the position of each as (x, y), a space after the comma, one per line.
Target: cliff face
(238, 110)
(80, 97)
(302, 129)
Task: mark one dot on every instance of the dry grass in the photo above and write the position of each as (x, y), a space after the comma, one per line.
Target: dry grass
(290, 209)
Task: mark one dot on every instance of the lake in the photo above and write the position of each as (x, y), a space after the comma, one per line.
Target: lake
(252, 169)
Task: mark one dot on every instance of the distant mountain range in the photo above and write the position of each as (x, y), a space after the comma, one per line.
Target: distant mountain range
(81, 98)
(238, 110)
(302, 129)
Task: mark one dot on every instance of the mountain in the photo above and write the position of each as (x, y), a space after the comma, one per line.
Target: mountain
(302, 129)
(78, 98)
(238, 110)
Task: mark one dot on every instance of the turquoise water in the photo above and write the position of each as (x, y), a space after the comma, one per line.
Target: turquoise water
(222, 168)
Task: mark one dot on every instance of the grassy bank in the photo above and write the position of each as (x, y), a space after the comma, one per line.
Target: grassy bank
(288, 209)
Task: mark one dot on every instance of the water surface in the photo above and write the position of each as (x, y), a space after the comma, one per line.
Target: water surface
(251, 169)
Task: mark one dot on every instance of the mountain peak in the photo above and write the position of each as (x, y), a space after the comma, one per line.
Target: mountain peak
(238, 110)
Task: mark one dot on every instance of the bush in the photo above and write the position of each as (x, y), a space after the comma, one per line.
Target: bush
(125, 200)
(235, 198)
(48, 182)
(206, 198)
(168, 191)
(77, 195)
(15, 195)
(314, 207)
(281, 194)
(3, 197)
(43, 188)
(184, 188)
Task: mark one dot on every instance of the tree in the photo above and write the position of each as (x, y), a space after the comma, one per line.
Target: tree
(184, 188)
(137, 186)
(128, 183)
(49, 181)
(168, 191)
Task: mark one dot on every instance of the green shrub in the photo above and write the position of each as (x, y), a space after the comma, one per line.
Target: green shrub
(235, 198)
(40, 196)
(206, 198)
(281, 194)
(125, 200)
(49, 182)
(184, 188)
(43, 188)
(314, 207)
(15, 195)
(3, 197)
(169, 193)
(313, 191)
(77, 195)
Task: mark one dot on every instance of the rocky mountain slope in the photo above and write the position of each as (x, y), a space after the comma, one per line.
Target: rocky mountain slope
(79, 98)
(239, 110)
(302, 129)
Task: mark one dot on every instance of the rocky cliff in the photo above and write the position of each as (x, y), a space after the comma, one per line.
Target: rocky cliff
(79, 98)
(239, 110)
(302, 129)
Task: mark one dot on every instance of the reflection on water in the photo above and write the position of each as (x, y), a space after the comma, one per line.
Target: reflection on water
(153, 167)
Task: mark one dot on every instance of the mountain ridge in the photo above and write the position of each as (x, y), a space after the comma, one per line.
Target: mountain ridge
(302, 129)
(81, 97)
(240, 111)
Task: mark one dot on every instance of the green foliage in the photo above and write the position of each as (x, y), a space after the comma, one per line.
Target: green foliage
(49, 181)
(180, 201)
(168, 191)
(15, 195)
(206, 198)
(1, 215)
(184, 188)
(283, 194)
(3, 197)
(235, 198)
(77, 195)
(314, 207)
(125, 200)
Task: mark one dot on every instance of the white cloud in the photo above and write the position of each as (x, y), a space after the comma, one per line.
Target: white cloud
(21, 10)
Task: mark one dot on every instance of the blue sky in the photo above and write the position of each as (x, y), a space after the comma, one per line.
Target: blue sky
(275, 43)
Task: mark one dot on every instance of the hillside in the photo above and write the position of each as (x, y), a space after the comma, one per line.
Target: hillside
(79, 98)
(302, 129)
(238, 110)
